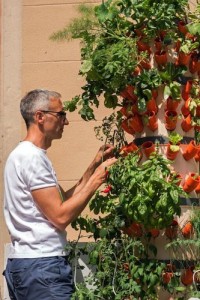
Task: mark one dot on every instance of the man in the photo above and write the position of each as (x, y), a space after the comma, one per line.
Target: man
(37, 210)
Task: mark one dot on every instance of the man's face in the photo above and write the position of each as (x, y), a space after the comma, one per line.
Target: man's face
(54, 123)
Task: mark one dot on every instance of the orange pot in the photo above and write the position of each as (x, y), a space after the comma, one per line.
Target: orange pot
(158, 43)
(171, 118)
(197, 156)
(197, 189)
(152, 106)
(145, 64)
(134, 230)
(126, 149)
(135, 123)
(191, 182)
(172, 104)
(152, 122)
(187, 230)
(183, 58)
(194, 65)
(126, 127)
(187, 276)
(185, 108)
(171, 154)
(148, 148)
(191, 150)
(182, 27)
(186, 90)
(161, 57)
(128, 93)
(143, 46)
(172, 231)
(186, 123)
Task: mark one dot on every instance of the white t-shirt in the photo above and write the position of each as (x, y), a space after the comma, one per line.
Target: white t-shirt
(32, 235)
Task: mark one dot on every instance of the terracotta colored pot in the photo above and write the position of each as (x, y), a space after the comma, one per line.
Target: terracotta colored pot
(187, 276)
(126, 127)
(170, 153)
(172, 231)
(172, 104)
(197, 189)
(171, 118)
(183, 58)
(186, 89)
(145, 64)
(186, 123)
(194, 65)
(197, 156)
(158, 43)
(177, 45)
(152, 106)
(143, 46)
(136, 71)
(126, 149)
(136, 124)
(134, 230)
(128, 93)
(185, 108)
(154, 93)
(191, 182)
(182, 27)
(187, 230)
(148, 148)
(168, 273)
(191, 150)
(161, 57)
(152, 122)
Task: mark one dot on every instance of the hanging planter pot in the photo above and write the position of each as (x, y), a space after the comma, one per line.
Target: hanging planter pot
(191, 150)
(171, 231)
(186, 90)
(152, 105)
(197, 189)
(161, 57)
(145, 64)
(187, 230)
(148, 148)
(143, 46)
(128, 93)
(191, 182)
(126, 127)
(185, 108)
(172, 104)
(158, 43)
(172, 151)
(183, 58)
(126, 149)
(182, 27)
(186, 124)
(194, 65)
(171, 118)
(197, 156)
(187, 276)
(150, 120)
(135, 123)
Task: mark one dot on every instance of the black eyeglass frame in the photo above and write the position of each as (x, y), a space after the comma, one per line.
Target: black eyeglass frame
(62, 114)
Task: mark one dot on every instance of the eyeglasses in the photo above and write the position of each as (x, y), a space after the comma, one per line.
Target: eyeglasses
(61, 114)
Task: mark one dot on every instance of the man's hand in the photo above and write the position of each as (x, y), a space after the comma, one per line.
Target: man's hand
(105, 152)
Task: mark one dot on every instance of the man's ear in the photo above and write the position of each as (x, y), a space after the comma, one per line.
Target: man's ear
(39, 117)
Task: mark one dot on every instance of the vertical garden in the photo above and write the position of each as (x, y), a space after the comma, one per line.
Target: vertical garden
(141, 59)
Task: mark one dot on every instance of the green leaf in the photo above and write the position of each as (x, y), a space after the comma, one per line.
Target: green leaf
(86, 66)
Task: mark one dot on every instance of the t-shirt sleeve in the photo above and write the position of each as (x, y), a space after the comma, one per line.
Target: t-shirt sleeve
(39, 173)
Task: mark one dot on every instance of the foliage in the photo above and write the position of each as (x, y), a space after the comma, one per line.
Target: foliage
(175, 138)
(194, 25)
(171, 77)
(145, 83)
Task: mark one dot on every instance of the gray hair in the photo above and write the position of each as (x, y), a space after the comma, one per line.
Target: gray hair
(35, 100)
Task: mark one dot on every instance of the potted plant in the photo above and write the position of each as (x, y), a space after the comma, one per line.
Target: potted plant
(191, 182)
(185, 51)
(145, 86)
(190, 150)
(173, 146)
(150, 120)
(171, 76)
(171, 118)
